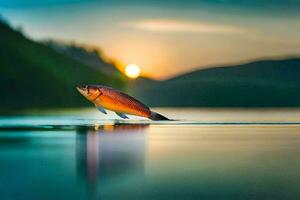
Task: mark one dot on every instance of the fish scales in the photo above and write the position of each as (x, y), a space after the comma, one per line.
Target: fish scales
(126, 101)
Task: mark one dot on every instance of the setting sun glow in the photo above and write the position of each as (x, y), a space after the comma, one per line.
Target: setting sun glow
(132, 71)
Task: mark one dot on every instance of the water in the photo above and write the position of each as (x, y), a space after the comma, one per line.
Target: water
(213, 154)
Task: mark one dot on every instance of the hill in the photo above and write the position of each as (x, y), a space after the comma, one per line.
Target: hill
(87, 55)
(33, 75)
(266, 83)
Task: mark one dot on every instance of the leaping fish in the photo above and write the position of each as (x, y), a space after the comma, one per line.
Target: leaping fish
(108, 98)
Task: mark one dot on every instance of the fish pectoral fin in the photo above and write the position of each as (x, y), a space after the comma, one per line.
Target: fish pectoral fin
(122, 115)
(101, 109)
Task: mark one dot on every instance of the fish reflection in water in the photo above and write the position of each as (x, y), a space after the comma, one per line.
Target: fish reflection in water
(108, 153)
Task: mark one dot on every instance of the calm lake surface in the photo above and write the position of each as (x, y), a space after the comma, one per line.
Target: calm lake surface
(206, 154)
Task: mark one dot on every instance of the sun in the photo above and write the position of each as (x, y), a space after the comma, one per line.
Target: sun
(132, 71)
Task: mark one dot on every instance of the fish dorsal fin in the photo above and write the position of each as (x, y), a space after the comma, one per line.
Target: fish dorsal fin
(101, 109)
(122, 115)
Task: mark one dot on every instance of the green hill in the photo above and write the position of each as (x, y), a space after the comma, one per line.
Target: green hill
(258, 84)
(88, 55)
(33, 75)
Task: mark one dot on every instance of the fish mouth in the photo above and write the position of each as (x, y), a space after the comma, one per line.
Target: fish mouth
(79, 88)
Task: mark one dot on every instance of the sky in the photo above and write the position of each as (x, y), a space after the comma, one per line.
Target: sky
(166, 38)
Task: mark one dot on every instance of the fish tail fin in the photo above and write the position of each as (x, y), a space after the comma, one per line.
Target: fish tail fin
(157, 117)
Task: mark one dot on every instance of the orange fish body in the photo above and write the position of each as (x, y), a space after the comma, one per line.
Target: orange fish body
(108, 98)
(122, 103)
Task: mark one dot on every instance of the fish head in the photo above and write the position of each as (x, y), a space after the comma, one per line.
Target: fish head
(90, 92)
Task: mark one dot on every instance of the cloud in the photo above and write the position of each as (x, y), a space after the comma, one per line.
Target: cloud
(163, 25)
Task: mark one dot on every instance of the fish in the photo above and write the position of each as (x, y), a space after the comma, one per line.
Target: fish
(111, 99)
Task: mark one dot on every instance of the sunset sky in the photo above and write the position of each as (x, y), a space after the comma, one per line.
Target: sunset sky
(166, 37)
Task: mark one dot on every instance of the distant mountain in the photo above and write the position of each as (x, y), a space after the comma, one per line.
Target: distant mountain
(33, 75)
(91, 57)
(265, 83)
(142, 83)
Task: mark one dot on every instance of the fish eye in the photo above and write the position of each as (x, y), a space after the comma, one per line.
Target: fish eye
(85, 87)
